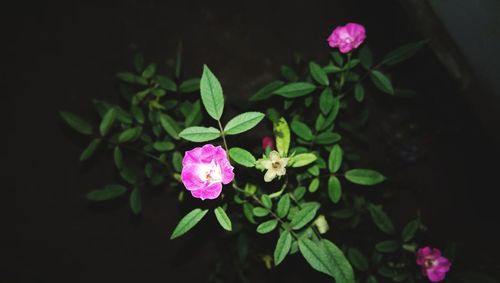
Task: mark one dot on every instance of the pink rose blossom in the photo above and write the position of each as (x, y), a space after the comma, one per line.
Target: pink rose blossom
(347, 37)
(434, 266)
(267, 142)
(204, 170)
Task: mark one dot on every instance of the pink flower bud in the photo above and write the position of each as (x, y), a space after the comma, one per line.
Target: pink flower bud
(347, 37)
(204, 170)
(267, 142)
(434, 265)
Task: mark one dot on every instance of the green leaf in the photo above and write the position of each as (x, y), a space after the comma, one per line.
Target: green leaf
(260, 211)
(302, 130)
(318, 74)
(382, 82)
(128, 175)
(177, 161)
(76, 122)
(248, 212)
(371, 279)
(266, 201)
(335, 158)
(107, 121)
(381, 219)
(242, 157)
(315, 256)
(288, 73)
(292, 90)
(129, 134)
(266, 227)
(283, 206)
(163, 146)
(387, 246)
(366, 177)
(166, 83)
(282, 247)
(188, 222)
(190, 85)
(304, 216)
(326, 101)
(327, 138)
(337, 58)
(107, 193)
(90, 149)
(199, 134)
(314, 185)
(340, 268)
(357, 259)
(170, 126)
(366, 57)
(409, 230)
(118, 157)
(135, 201)
(299, 192)
(243, 122)
(359, 92)
(138, 114)
(302, 159)
(266, 91)
(402, 53)
(334, 189)
(211, 94)
(282, 133)
(149, 71)
(223, 219)
(323, 122)
(131, 78)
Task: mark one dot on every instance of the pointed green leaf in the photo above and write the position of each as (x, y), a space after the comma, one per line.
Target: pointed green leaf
(211, 94)
(190, 85)
(129, 134)
(282, 247)
(387, 246)
(326, 101)
(357, 259)
(248, 212)
(135, 201)
(199, 134)
(76, 122)
(382, 82)
(90, 149)
(282, 133)
(304, 216)
(188, 222)
(409, 230)
(315, 256)
(283, 206)
(340, 268)
(302, 130)
(166, 83)
(266, 201)
(243, 122)
(163, 146)
(302, 159)
(335, 158)
(149, 71)
(177, 161)
(334, 189)
(170, 126)
(288, 73)
(260, 211)
(292, 90)
(314, 185)
(266, 91)
(223, 219)
(323, 122)
(118, 157)
(366, 177)
(381, 219)
(242, 157)
(366, 57)
(318, 74)
(266, 227)
(327, 138)
(402, 53)
(107, 121)
(359, 92)
(107, 193)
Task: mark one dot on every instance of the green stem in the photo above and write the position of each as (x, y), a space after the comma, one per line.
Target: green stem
(223, 136)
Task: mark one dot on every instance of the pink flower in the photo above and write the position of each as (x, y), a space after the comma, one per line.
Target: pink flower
(204, 170)
(347, 37)
(267, 142)
(434, 266)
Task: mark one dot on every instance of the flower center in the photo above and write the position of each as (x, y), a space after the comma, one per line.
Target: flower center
(428, 263)
(211, 172)
(276, 165)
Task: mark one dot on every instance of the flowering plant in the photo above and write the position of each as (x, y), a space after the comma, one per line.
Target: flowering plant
(309, 177)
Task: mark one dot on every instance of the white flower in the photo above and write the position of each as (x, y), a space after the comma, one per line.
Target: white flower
(275, 166)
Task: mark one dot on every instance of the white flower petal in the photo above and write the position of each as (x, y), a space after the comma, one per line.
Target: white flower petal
(270, 175)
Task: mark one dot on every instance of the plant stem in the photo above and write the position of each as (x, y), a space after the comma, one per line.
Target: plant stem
(223, 136)
(283, 223)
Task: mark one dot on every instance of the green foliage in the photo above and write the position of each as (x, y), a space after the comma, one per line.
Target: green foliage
(335, 158)
(243, 122)
(76, 122)
(90, 149)
(242, 156)
(211, 94)
(200, 134)
(382, 82)
(318, 74)
(381, 219)
(334, 189)
(266, 227)
(302, 159)
(358, 259)
(366, 177)
(402, 53)
(282, 133)
(223, 218)
(305, 215)
(135, 201)
(188, 222)
(283, 206)
(297, 89)
(267, 91)
(107, 193)
(282, 247)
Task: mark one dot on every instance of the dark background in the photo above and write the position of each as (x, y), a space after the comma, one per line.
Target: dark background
(61, 54)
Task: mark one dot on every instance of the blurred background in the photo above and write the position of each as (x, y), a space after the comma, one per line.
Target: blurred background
(440, 148)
